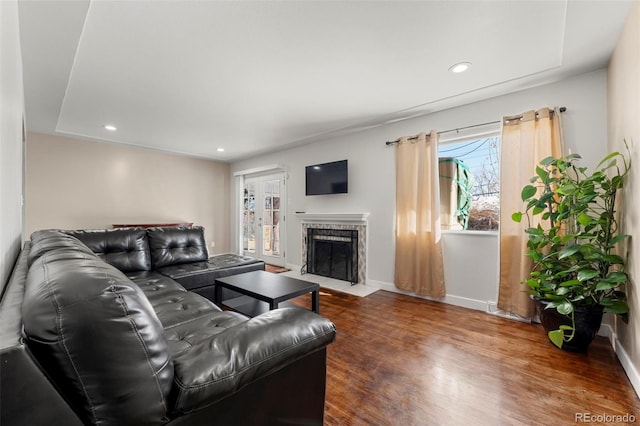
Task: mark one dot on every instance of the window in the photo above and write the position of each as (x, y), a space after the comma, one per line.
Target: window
(470, 183)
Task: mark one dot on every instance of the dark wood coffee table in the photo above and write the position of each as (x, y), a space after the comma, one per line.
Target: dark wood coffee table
(264, 291)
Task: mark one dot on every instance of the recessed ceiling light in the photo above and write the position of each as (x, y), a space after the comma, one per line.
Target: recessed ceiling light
(110, 127)
(220, 150)
(460, 67)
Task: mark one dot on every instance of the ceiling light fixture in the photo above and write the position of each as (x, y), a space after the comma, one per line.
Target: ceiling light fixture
(220, 150)
(110, 127)
(460, 67)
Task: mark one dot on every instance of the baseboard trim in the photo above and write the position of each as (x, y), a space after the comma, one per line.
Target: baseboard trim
(292, 267)
(605, 330)
(627, 365)
(464, 302)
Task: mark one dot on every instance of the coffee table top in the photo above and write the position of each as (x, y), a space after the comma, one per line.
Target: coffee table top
(267, 286)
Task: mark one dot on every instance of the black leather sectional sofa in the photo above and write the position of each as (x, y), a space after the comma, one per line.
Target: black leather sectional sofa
(94, 330)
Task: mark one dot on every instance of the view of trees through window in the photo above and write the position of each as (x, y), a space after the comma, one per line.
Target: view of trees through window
(478, 162)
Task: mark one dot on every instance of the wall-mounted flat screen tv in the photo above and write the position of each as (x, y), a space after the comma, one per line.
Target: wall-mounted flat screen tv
(327, 178)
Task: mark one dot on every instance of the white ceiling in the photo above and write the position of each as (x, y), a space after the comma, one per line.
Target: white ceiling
(259, 76)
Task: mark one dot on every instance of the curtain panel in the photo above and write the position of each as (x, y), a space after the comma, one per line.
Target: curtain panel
(526, 139)
(418, 260)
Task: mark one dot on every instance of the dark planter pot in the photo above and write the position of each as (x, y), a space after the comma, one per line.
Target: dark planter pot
(588, 320)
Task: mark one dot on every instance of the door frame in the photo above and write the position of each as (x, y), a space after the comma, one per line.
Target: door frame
(240, 177)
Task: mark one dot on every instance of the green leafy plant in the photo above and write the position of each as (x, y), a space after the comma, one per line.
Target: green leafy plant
(573, 243)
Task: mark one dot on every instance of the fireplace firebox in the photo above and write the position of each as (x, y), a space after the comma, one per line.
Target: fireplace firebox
(333, 253)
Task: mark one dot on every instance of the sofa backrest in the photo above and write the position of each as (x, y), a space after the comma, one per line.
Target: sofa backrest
(173, 246)
(96, 334)
(50, 239)
(125, 248)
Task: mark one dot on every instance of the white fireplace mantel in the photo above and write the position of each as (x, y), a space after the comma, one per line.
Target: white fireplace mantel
(346, 218)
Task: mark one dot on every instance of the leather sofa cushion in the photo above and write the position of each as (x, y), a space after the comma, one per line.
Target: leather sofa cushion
(173, 246)
(200, 274)
(182, 306)
(226, 362)
(125, 248)
(154, 285)
(185, 335)
(97, 336)
(50, 239)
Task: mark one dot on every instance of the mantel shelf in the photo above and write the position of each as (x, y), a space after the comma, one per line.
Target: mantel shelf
(333, 217)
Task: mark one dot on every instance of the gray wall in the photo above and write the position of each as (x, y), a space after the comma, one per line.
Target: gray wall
(470, 260)
(11, 148)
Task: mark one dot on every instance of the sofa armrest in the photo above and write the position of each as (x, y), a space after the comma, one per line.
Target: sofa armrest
(27, 397)
(227, 362)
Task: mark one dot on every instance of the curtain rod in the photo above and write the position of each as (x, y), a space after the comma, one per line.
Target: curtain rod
(562, 109)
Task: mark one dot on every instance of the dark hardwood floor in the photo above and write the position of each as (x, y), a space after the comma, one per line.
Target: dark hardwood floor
(399, 360)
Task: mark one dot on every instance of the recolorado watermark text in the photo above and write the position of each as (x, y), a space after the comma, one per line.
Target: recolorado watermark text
(604, 418)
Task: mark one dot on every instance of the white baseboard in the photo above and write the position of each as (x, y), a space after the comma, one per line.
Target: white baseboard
(627, 365)
(292, 267)
(464, 302)
(606, 331)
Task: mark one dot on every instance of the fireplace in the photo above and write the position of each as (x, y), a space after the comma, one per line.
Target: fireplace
(347, 249)
(333, 253)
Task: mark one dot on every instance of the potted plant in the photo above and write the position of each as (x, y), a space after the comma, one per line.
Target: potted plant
(576, 273)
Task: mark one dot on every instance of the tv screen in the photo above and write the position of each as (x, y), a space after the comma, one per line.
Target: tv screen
(327, 178)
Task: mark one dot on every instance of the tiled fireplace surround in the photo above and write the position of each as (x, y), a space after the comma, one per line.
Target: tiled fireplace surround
(351, 221)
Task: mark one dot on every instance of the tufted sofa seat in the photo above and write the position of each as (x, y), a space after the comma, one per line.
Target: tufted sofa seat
(90, 336)
(198, 276)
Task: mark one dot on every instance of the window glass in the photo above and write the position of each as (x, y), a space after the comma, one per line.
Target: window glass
(470, 183)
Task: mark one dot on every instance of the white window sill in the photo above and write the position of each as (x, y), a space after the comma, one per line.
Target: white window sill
(474, 233)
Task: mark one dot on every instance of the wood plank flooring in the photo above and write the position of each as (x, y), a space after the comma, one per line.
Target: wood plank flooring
(399, 360)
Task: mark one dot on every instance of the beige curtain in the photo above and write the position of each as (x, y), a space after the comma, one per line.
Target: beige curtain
(526, 139)
(418, 265)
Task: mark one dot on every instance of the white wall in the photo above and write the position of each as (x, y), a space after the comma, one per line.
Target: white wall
(11, 114)
(372, 179)
(624, 123)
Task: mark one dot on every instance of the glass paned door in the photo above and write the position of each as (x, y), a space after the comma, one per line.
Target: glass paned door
(249, 218)
(262, 218)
